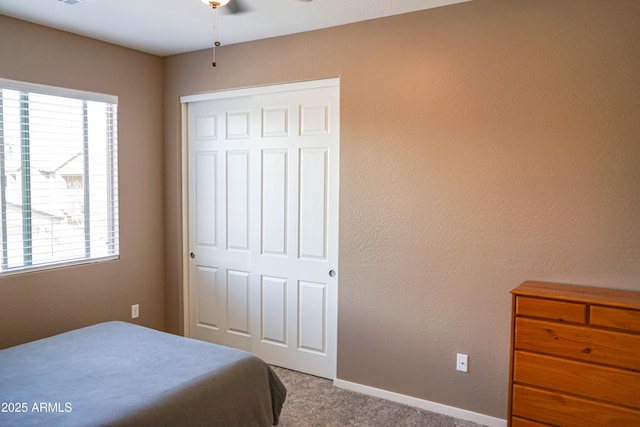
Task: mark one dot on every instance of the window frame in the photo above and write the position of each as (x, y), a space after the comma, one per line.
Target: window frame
(111, 192)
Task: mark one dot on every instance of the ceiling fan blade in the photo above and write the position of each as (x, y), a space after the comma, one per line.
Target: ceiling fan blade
(237, 6)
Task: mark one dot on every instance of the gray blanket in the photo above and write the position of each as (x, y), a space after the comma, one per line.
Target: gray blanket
(120, 374)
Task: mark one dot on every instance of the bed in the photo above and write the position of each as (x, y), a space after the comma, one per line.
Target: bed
(120, 374)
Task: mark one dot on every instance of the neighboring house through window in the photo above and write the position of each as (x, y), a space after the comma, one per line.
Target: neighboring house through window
(58, 166)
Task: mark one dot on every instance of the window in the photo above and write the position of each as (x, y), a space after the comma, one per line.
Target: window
(58, 170)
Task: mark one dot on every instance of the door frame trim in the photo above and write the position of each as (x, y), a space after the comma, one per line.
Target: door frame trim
(184, 147)
(260, 90)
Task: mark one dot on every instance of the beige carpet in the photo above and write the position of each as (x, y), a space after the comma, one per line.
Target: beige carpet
(313, 401)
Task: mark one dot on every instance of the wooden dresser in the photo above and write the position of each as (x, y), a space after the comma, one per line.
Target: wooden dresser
(575, 356)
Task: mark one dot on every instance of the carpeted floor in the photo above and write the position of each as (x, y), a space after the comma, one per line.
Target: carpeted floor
(313, 401)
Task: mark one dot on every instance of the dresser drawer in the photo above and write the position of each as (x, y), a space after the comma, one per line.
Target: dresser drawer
(521, 422)
(615, 318)
(562, 410)
(618, 386)
(550, 309)
(578, 342)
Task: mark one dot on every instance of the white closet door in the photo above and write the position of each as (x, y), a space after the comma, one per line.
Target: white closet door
(263, 222)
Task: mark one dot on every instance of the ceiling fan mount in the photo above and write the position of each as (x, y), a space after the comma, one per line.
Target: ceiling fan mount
(215, 4)
(234, 6)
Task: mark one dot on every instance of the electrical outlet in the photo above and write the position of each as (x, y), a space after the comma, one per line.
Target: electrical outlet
(135, 311)
(462, 362)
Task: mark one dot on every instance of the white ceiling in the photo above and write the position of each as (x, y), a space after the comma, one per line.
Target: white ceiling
(167, 27)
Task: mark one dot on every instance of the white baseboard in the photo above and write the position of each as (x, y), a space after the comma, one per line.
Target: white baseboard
(422, 404)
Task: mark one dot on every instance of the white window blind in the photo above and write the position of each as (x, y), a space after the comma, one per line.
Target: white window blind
(59, 172)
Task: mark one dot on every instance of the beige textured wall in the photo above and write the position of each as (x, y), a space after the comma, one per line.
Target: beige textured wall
(482, 144)
(40, 304)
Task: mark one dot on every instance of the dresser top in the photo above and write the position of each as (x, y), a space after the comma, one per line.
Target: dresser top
(576, 293)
